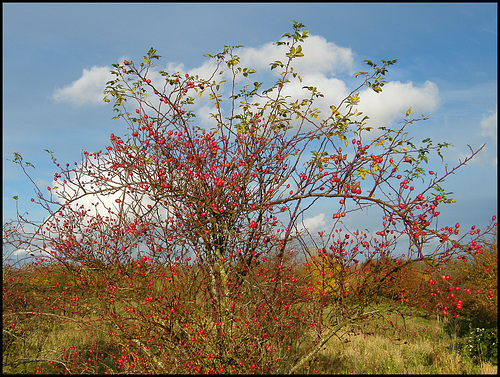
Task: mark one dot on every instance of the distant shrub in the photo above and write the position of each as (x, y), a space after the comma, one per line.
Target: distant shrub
(480, 275)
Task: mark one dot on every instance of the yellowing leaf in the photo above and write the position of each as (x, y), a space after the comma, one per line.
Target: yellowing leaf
(334, 109)
(354, 99)
(408, 112)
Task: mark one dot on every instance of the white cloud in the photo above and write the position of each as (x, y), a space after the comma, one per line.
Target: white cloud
(88, 89)
(396, 98)
(320, 56)
(334, 90)
(24, 253)
(489, 126)
(323, 61)
(486, 134)
(487, 130)
(21, 252)
(97, 197)
(312, 223)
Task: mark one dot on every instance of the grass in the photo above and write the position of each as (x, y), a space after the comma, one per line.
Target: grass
(432, 351)
(416, 352)
(415, 345)
(52, 346)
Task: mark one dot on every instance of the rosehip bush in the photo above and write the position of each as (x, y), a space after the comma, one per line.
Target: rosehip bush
(186, 247)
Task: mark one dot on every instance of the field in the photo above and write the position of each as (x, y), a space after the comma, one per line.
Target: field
(59, 320)
(416, 345)
(432, 350)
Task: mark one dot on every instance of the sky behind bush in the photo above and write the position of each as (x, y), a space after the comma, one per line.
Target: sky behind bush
(57, 58)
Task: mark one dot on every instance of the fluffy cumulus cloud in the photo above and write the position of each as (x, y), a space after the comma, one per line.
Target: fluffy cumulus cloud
(320, 57)
(88, 89)
(395, 99)
(333, 89)
(106, 198)
(312, 224)
(323, 65)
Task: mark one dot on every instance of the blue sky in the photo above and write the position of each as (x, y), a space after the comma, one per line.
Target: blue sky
(55, 54)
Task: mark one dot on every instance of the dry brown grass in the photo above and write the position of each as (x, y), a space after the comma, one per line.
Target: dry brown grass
(416, 352)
